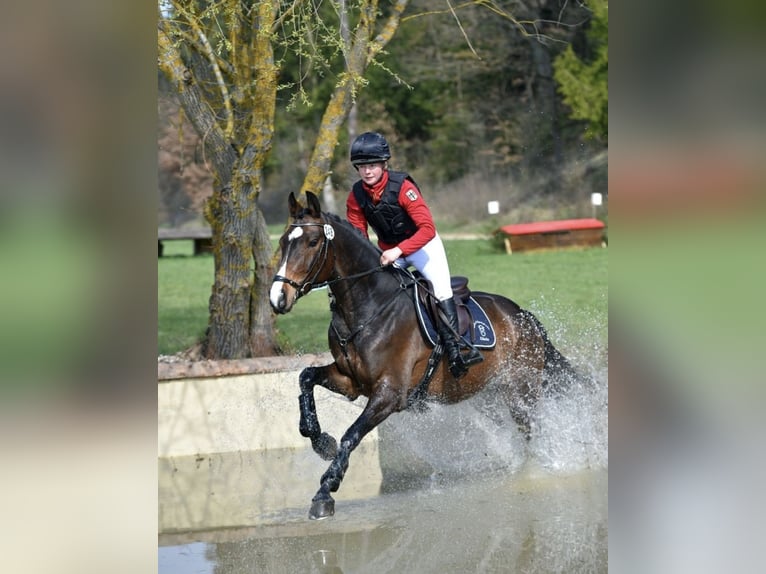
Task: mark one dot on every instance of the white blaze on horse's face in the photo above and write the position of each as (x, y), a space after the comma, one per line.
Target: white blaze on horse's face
(277, 287)
(295, 233)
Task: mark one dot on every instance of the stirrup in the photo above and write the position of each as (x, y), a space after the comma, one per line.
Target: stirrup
(458, 369)
(471, 357)
(459, 366)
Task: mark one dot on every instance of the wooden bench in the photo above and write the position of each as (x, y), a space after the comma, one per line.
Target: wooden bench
(557, 234)
(203, 238)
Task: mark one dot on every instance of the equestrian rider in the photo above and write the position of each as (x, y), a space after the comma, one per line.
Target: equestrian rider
(391, 203)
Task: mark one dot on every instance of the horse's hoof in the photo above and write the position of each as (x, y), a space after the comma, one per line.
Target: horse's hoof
(322, 509)
(325, 446)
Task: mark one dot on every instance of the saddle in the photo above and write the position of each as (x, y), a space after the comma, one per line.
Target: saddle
(473, 324)
(460, 292)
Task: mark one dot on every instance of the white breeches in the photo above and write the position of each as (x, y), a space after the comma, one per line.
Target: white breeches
(431, 261)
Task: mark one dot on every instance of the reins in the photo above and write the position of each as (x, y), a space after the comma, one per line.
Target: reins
(338, 279)
(344, 341)
(309, 284)
(406, 279)
(329, 234)
(316, 267)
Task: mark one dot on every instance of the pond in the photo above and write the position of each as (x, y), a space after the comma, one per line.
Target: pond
(453, 490)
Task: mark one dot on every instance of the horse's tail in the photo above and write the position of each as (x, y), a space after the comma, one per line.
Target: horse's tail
(558, 372)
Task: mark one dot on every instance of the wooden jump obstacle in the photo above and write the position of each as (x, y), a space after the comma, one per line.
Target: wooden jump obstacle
(558, 234)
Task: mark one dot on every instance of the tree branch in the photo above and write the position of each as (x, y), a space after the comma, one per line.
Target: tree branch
(462, 30)
(202, 117)
(209, 53)
(388, 30)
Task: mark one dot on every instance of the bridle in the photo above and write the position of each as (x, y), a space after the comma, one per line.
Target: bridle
(316, 267)
(318, 264)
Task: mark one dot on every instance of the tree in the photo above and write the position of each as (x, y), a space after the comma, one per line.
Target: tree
(226, 85)
(481, 96)
(219, 57)
(183, 177)
(358, 52)
(584, 81)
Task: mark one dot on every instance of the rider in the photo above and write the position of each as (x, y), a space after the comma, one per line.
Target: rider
(391, 203)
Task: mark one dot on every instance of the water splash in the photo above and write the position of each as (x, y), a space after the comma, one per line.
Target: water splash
(569, 430)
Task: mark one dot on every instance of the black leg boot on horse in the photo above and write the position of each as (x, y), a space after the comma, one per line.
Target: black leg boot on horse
(448, 331)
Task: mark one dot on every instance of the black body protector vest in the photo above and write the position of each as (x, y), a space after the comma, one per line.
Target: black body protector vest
(387, 218)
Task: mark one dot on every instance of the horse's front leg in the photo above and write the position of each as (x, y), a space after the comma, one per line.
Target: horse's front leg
(322, 443)
(377, 410)
(328, 377)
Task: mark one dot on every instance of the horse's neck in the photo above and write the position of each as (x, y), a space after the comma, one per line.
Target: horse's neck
(357, 257)
(354, 254)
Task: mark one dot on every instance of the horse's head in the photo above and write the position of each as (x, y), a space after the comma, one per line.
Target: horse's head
(304, 262)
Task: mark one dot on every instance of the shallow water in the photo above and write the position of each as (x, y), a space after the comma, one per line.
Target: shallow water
(523, 522)
(453, 490)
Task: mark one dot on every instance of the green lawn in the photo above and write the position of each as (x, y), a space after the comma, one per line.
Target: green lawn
(567, 290)
(184, 284)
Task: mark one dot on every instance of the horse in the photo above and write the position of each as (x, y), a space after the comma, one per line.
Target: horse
(377, 344)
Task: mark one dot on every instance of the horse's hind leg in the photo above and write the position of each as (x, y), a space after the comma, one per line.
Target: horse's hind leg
(376, 411)
(526, 381)
(523, 420)
(523, 395)
(322, 443)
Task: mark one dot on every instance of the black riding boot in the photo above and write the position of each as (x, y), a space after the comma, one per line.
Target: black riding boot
(458, 364)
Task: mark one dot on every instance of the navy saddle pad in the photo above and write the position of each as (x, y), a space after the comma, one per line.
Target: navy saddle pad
(480, 332)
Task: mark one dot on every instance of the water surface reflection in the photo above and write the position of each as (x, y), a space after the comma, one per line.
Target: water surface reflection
(526, 521)
(455, 491)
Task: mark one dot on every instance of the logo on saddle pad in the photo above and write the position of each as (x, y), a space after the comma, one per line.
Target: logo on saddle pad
(480, 332)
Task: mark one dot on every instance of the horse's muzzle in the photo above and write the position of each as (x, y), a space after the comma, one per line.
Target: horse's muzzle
(280, 304)
(280, 301)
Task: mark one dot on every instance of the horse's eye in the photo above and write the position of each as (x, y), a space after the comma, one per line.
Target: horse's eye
(313, 242)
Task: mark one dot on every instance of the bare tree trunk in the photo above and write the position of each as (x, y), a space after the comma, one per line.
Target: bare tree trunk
(240, 323)
(352, 123)
(328, 196)
(262, 322)
(262, 334)
(230, 218)
(228, 297)
(365, 47)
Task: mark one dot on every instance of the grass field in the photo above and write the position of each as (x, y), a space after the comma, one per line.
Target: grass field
(566, 289)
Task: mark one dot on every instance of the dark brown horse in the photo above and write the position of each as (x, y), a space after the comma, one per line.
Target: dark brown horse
(379, 349)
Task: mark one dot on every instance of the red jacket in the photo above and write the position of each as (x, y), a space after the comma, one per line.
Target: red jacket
(410, 200)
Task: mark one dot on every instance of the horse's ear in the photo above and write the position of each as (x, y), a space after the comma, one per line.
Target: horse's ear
(313, 204)
(295, 207)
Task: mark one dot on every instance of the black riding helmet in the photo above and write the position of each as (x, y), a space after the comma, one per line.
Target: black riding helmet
(369, 147)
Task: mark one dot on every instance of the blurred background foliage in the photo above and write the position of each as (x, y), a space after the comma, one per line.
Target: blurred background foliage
(504, 101)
